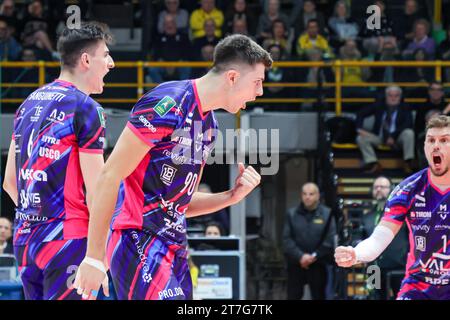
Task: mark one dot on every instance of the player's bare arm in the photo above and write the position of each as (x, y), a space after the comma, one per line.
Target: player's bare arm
(10, 183)
(204, 203)
(370, 248)
(127, 154)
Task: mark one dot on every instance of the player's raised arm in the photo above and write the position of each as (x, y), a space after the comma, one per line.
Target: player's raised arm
(370, 248)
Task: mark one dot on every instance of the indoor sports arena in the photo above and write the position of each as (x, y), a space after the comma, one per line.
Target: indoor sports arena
(225, 150)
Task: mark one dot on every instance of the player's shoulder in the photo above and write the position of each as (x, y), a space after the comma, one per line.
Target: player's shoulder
(167, 94)
(410, 185)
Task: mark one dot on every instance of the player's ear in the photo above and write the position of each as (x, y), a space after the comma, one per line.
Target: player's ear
(84, 60)
(232, 76)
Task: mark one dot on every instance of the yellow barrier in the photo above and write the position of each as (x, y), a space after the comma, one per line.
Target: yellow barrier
(336, 65)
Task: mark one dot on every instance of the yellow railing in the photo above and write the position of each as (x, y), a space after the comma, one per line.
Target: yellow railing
(336, 65)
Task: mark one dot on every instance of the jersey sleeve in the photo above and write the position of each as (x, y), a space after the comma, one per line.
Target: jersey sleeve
(89, 127)
(154, 118)
(397, 205)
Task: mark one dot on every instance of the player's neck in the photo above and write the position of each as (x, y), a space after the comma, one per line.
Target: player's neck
(210, 92)
(442, 182)
(77, 81)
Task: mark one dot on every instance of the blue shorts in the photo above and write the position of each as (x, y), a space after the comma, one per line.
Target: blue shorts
(48, 269)
(144, 267)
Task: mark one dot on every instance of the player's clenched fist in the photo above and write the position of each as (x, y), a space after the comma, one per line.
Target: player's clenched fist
(246, 181)
(345, 256)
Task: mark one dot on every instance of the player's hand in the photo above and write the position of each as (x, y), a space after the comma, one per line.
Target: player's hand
(88, 281)
(246, 181)
(345, 256)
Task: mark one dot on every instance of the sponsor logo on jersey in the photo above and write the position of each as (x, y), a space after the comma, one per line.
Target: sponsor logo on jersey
(421, 243)
(50, 140)
(164, 105)
(101, 116)
(421, 227)
(420, 201)
(420, 214)
(37, 114)
(147, 124)
(170, 293)
(30, 217)
(34, 175)
(49, 153)
(443, 211)
(440, 227)
(29, 199)
(57, 116)
(167, 174)
(146, 275)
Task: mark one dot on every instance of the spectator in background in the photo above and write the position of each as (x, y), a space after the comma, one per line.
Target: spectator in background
(308, 243)
(311, 39)
(435, 104)
(209, 38)
(240, 27)
(239, 11)
(342, 26)
(353, 74)
(6, 246)
(377, 35)
(8, 11)
(418, 74)
(444, 53)
(394, 257)
(207, 54)
(393, 126)
(36, 28)
(307, 13)
(181, 16)
(170, 46)
(404, 26)
(213, 230)
(420, 40)
(389, 52)
(9, 47)
(315, 75)
(207, 11)
(278, 75)
(280, 36)
(264, 29)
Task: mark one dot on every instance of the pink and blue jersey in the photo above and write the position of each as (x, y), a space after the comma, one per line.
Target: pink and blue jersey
(52, 127)
(170, 120)
(425, 208)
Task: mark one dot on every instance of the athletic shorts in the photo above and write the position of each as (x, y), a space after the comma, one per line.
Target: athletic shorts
(145, 267)
(48, 269)
(413, 289)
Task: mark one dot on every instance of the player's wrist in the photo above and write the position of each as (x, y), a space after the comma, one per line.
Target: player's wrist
(98, 264)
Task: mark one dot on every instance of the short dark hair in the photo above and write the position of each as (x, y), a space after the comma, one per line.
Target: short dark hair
(239, 48)
(73, 42)
(216, 224)
(314, 20)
